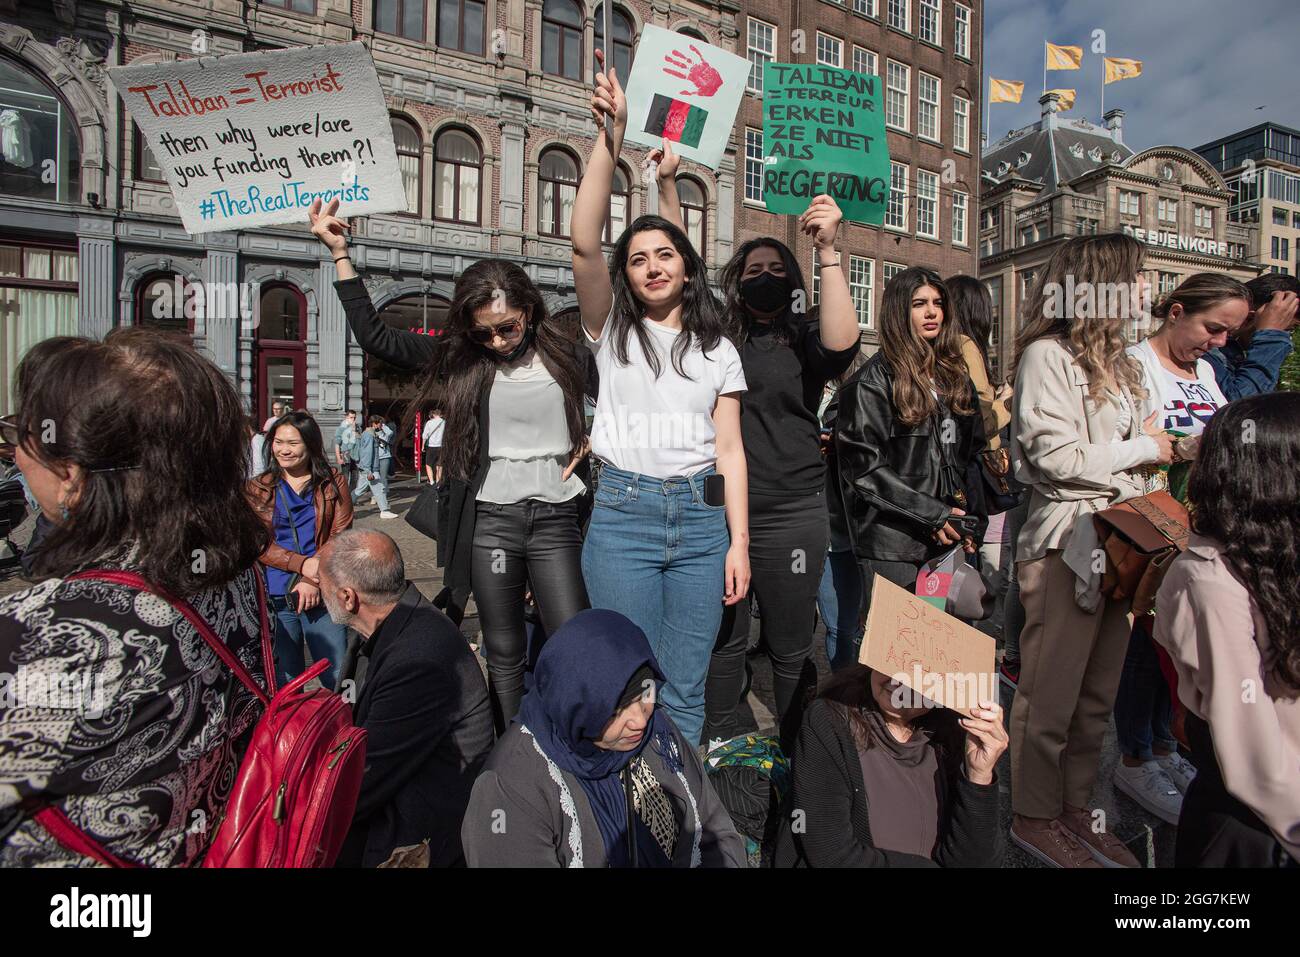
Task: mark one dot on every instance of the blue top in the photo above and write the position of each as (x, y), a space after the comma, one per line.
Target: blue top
(1254, 371)
(302, 511)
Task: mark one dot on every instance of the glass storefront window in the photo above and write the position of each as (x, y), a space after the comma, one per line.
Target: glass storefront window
(40, 154)
(38, 299)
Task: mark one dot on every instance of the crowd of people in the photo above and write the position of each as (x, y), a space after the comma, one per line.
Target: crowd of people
(742, 450)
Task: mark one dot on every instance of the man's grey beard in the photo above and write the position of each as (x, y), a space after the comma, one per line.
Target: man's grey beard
(337, 614)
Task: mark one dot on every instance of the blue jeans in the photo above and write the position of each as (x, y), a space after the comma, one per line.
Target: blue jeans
(379, 486)
(325, 639)
(839, 602)
(1144, 709)
(656, 554)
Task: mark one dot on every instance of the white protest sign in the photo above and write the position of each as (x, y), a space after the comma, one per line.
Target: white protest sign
(252, 139)
(685, 90)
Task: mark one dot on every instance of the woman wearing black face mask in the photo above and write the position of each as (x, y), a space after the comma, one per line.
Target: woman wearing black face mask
(511, 385)
(788, 357)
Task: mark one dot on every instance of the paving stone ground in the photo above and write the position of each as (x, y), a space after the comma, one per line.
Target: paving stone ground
(1150, 839)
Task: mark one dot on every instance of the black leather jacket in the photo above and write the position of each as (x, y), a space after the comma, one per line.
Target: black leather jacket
(890, 472)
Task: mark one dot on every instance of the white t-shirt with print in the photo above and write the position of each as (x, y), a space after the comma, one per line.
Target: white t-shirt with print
(1186, 405)
(660, 427)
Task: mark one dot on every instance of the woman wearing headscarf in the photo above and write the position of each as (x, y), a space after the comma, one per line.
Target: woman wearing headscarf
(591, 773)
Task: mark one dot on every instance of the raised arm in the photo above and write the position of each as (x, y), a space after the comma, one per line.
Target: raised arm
(670, 204)
(591, 207)
(837, 318)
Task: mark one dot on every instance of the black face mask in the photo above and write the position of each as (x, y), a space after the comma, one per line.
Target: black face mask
(766, 293)
(524, 344)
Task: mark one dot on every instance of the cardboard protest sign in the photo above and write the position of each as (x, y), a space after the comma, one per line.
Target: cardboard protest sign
(937, 656)
(824, 132)
(684, 90)
(252, 139)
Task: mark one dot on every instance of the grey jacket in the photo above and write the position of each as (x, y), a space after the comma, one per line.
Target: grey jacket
(526, 812)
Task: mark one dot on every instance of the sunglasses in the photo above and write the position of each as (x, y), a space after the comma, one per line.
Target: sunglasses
(9, 431)
(506, 330)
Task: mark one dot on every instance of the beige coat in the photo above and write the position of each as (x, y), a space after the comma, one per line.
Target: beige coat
(1063, 445)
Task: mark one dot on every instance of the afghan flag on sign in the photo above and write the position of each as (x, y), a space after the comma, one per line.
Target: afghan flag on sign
(676, 120)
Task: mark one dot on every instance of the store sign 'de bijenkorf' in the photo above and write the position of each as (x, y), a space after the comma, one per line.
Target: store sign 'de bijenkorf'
(1178, 241)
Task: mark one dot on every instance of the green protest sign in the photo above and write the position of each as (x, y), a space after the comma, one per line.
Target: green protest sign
(824, 132)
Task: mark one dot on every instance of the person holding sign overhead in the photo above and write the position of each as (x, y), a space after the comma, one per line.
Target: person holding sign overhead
(787, 358)
(882, 778)
(669, 536)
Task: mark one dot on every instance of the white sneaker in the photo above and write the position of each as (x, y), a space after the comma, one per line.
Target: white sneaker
(388, 515)
(1179, 770)
(1150, 787)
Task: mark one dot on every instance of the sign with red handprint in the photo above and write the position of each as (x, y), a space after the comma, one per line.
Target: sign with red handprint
(686, 91)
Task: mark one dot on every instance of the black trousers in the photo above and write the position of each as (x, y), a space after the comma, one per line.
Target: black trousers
(515, 546)
(1215, 829)
(788, 538)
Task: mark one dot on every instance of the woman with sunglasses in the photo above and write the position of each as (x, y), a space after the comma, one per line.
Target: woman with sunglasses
(511, 384)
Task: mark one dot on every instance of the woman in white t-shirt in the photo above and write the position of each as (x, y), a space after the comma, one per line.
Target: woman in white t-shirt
(666, 546)
(1198, 316)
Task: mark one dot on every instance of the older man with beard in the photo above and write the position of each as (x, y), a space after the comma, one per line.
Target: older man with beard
(424, 705)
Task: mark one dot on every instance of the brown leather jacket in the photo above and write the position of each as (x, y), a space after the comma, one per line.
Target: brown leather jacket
(333, 515)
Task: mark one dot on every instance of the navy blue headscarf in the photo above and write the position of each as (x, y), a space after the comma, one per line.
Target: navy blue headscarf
(577, 683)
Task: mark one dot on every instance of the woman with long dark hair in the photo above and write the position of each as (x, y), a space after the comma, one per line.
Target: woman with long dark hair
(666, 546)
(129, 727)
(511, 384)
(788, 356)
(883, 778)
(1228, 613)
(909, 425)
(304, 502)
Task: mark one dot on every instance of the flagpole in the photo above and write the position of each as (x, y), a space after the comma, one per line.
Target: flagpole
(1103, 88)
(1044, 66)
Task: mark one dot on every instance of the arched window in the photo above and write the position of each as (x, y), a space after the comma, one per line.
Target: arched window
(689, 32)
(460, 25)
(406, 138)
(620, 205)
(619, 53)
(283, 314)
(281, 353)
(147, 167)
(693, 213)
(168, 301)
(562, 38)
(557, 180)
(40, 154)
(457, 171)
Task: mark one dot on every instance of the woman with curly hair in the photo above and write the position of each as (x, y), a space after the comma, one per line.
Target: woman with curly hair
(1228, 613)
(1077, 441)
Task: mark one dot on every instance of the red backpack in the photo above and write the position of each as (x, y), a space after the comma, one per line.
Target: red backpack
(297, 787)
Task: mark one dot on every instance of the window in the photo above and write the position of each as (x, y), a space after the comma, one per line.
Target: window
(994, 286)
(1168, 282)
(1130, 204)
(562, 39)
(557, 181)
(897, 85)
(761, 40)
(621, 26)
(168, 301)
(1085, 227)
(927, 204)
(1026, 284)
(900, 15)
(960, 123)
(297, 6)
(38, 299)
(753, 165)
(1295, 220)
(927, 110)
(866, 7)
(830, 50)
(864, 61)
(407, 142)
(147, 167)
(693, 213)
(992, 217)
(1167, 210)
(930, 28)
(400, 18)
(960, 203)
(961, 30)
(1279, 216)
(461, 25)
(620, 205)
(896, 208)
(1281, 248)
(892, 270)
(860, 277)
(283, 314)
(1028, 235)
(42, 154)
(816, 281)
(457, 171)
(1204, 217)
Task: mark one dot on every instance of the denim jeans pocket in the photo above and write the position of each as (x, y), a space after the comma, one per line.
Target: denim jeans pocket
(611, 494)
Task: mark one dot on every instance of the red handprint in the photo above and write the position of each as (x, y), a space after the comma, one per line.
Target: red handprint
(707, 80)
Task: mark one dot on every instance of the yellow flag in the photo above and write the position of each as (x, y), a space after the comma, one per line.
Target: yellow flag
(1064, 58)
(1065, 99)
(1118, 69)
(1005, 91)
